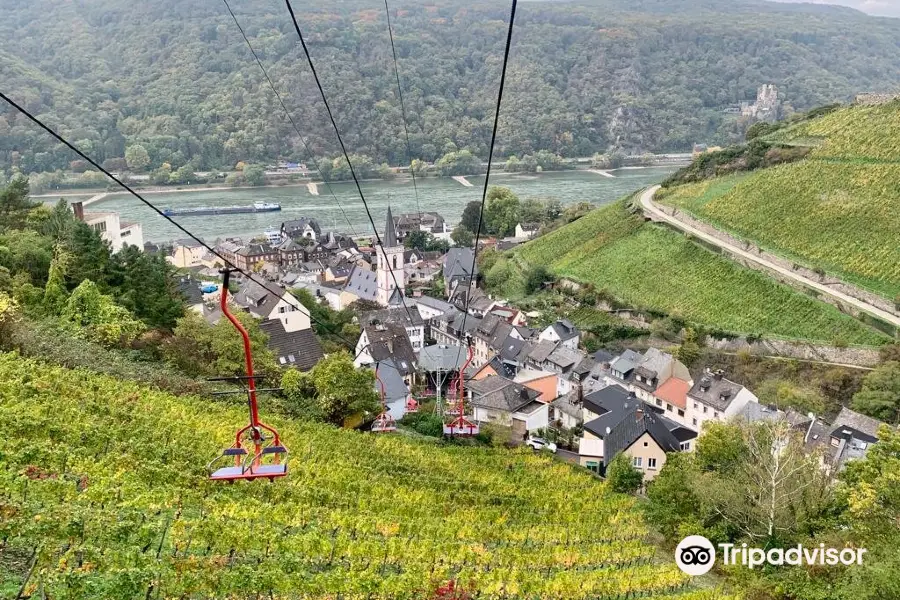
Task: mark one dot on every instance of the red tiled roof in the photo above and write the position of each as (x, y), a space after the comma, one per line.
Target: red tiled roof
(674, 391)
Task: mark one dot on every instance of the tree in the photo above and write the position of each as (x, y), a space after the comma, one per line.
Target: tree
(880, 394)
(461, 162)
(785, 394)
(673, 497)
(342, 390)
(462, 237)
(720, 448)
(622, 475)
(55, 292)
(15, 204)
(471, 217)
(145, 284)
(202, 349)
(162, 175)
(536, 277)
(532, 211)
(419, 168)
(137, 158)
(501, 213)
(99, 317)
(418, 240)
(254, 175)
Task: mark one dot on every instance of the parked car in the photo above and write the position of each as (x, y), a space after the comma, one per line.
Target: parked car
(537, 443)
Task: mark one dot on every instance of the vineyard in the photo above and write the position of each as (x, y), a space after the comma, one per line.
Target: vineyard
(103, 495)
(654, 268)
(836, 210)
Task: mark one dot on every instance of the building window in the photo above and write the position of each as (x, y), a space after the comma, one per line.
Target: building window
(685, 445)
(638, 462)
(704, 410)
(680, 413)
(658, 402)
(696, 406)
(694, 421)
(668, 408)
(593, 465)
(651, 463)
(715, 415)
(281, 309)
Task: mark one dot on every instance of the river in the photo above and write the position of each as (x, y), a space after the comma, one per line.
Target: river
(442, 195)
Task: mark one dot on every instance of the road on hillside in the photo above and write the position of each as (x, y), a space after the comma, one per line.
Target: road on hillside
(650, 208)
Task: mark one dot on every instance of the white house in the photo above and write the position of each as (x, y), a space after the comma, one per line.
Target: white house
(715, 398)
(527, 231)
(564, 332)
(110, 228)
(499, 400)
(265, 304)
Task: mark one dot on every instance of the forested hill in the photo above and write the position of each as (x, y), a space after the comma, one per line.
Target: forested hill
(648, 75)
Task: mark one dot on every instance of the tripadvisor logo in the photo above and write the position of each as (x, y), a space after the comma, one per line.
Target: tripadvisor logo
(696, 555)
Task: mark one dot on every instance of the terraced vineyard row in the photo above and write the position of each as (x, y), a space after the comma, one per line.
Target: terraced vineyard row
(103, 483)
(655, 268)
(838, 210)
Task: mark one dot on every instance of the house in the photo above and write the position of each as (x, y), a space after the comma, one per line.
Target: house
(616, 420)
(421, 272)
(290, 253)
(453, 327)
(273, 302)
(499, 400)
(410, 319)
(459, 268)
(323, 293)
(563, 332)
(431, 222)
(338, 273)
(118, 233)
(387, 341)
(513, 316)
(622, 367)
(187, 254)
(299, 349)
(539, 381)
(654, 369)
(715, 398)
(189, 288)
(301, 228)
(563, 361)
(527, 230)
(672, 398)
(566, 411)
(396, 391)
(495, 366)
(362, 283)
(247, 257)
(850, 437)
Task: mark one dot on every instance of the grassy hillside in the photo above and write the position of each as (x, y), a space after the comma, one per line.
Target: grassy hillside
(837, 210)
(651, 267)
(105, 480)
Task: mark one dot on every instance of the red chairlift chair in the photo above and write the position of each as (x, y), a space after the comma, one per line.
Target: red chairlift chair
(412, 406)
(257, 451)
(384, 422)
(460, 426)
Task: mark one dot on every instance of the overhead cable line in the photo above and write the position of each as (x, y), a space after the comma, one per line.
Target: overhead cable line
(487, 176)
(180, 227)
(289, 117)
(409, 157)
(346, 155)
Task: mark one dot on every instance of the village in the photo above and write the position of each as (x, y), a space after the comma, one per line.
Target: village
(537, 383)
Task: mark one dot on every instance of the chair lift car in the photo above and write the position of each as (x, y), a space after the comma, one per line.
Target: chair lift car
(460, 426)
(384, 422)
(257, 451)
(412, 406)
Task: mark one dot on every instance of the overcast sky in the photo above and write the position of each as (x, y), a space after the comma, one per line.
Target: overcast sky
(885, 8)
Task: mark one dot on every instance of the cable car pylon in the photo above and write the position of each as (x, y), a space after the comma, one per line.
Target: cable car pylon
(269, 456)
(460, 426)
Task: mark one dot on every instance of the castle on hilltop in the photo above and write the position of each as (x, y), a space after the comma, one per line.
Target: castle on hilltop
(767, 106)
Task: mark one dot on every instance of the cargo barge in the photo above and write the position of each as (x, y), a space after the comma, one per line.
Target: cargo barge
(256, 207)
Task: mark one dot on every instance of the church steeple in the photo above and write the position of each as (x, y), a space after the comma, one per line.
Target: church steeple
(390, 234)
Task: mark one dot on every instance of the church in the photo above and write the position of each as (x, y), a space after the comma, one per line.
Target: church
(386, 285)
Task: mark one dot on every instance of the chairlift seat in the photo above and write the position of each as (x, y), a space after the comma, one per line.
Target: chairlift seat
(235, 473)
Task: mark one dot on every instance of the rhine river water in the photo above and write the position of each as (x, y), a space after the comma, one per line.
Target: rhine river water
(442, 195)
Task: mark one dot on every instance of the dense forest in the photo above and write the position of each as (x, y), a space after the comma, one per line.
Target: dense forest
(649, 75)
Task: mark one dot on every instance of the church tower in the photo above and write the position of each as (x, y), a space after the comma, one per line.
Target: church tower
(390, 266)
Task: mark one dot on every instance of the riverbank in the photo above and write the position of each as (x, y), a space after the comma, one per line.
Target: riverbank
(316, 184)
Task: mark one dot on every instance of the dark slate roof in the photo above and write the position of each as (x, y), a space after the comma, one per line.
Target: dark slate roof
(257, 249)
(541, 351)
(565, 329)
(499, 393)
(511, 349)
(565, 358)
(626, 362)
(434, 303)
(568, 404)
(526, 332)
(400, 316)
(394, 386)
(632, 426)
(258, 299)
(714, 390)
(498, 338)
(390, 234)
(298, 224)
(488, 324)
(189, 288)
(606, 399)
(389, 341)
(299, 349)
(459, 262)
(441, 357)
(362, 282)
(859, 426)
(501, 368)
(602, 356)
(188, 243)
